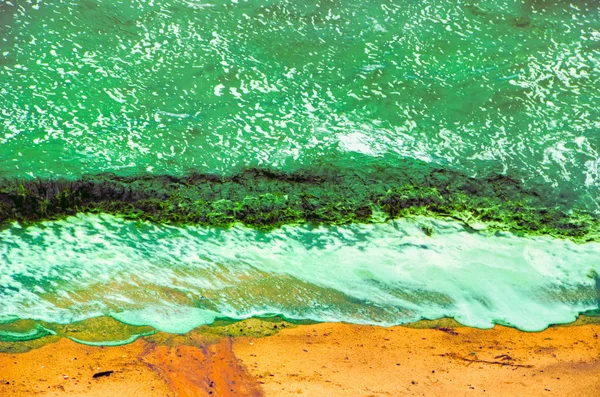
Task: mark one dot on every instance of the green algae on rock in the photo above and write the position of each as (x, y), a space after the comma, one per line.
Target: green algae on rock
(268, 198)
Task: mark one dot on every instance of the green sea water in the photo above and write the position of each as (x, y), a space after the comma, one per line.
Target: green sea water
(361, 90)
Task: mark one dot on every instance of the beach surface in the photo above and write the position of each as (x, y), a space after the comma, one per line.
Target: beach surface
(319, 360)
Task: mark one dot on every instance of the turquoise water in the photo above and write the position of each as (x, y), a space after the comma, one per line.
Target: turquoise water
(177, 278)
(173, 87)
(168, 86)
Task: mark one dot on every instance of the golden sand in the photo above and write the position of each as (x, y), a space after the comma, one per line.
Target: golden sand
(320, 360)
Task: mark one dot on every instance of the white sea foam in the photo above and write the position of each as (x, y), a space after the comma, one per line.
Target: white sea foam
(178, 278)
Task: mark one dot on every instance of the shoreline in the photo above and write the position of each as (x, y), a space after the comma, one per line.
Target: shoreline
(429, 357)
(107, 331)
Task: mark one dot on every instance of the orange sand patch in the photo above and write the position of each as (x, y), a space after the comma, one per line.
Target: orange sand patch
(320, 360)
(140, 369)
(67, 368)
(351, 360)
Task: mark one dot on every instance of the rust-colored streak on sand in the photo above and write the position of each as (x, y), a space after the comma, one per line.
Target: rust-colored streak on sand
(140, 369)
(192, 371)
(321, 360)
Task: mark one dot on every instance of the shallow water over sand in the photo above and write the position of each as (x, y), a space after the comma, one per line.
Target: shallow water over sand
(175, 279)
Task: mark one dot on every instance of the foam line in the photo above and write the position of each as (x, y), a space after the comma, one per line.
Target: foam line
(177, 278)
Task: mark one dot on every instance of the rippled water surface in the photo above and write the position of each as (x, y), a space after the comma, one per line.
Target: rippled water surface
(172, 86)
(166, 86)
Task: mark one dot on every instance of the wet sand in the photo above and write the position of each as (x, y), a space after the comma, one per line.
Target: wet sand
(319, 360)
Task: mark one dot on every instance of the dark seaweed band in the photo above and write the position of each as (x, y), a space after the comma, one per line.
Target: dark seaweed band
(266, 199)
